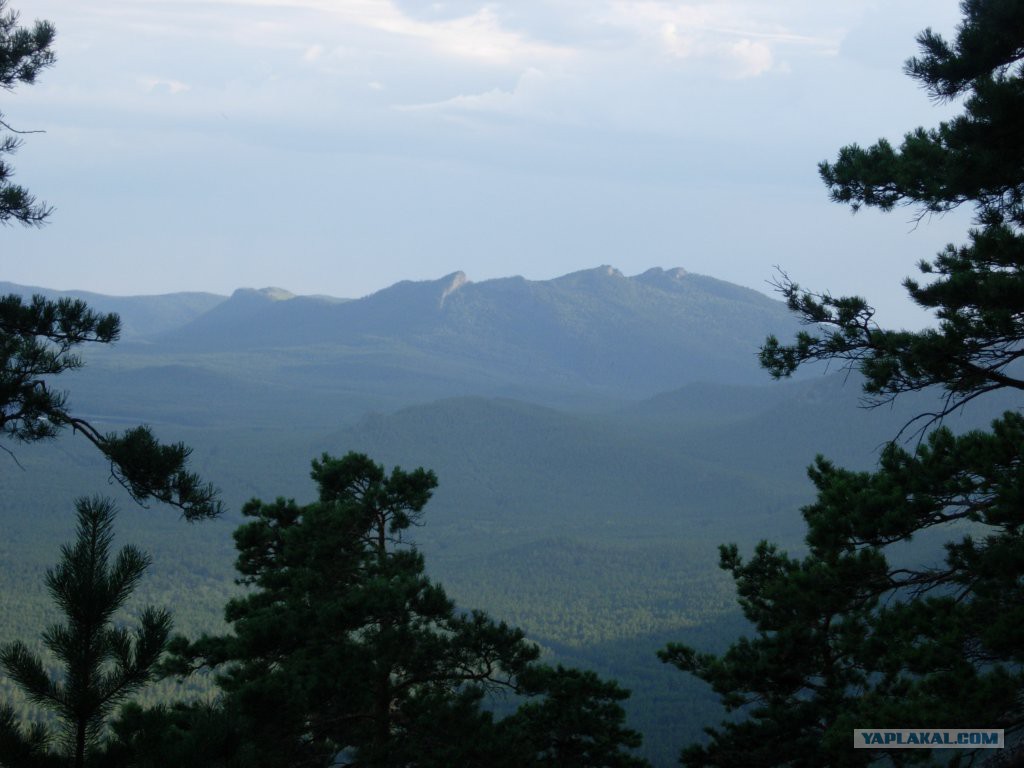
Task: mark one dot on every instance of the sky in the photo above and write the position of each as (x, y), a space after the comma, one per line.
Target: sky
(339, 146)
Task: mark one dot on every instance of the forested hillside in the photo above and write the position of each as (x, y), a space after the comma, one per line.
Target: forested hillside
(563, 523)
(593, 528)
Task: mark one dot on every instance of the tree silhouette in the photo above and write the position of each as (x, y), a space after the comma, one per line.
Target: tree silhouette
(101, 662)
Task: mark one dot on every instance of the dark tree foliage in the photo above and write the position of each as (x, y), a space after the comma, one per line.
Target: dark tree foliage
(856, 634)
(873, 627)
(179, 735)
(101, 662)
(344, 652)
(24, 52)
(576, 720)
(976, 290)
(344, 644)
(37, 342)
(38, 338)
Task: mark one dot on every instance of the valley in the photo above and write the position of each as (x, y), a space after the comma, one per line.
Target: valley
(596, 437)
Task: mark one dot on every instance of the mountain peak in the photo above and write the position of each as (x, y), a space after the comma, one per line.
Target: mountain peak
(605, 270)
(267, 294)
(663, 278)
(595, 273)
(676, 273)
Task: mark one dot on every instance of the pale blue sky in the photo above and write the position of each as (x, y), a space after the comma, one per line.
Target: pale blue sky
(338, 146)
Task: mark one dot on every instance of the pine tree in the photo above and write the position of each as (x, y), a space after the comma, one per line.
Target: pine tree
(38, 338)
(343, 631)
(24, 53)
(976, 291)
(343, 647)
(102, 663)
(875, 627)
(574, 718)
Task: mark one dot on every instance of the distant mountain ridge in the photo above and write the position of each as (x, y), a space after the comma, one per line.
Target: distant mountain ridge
(140, 315)
(595, 330)
(589, 336)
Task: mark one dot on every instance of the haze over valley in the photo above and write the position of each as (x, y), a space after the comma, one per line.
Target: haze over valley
(596, 437)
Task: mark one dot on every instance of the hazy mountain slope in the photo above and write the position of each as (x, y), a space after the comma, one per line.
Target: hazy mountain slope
(595, 333)
(512, 472)
(520, 471)
(140, 315)
(830, 416)
(634, 334)
(250, 318)
(268, 358)
(704, 404)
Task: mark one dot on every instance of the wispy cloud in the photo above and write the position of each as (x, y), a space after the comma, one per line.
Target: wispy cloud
(744, 39)
(493, 100)
(477, 35)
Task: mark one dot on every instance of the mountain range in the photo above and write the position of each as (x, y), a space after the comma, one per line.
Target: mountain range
(596, 436)
(595, 335)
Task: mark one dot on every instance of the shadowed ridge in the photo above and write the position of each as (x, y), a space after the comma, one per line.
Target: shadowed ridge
(140, 315)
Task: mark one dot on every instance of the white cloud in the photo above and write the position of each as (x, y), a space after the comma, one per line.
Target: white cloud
(478, 35)
(751, 58)
(317, 66)
(739, 39)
